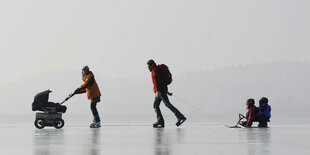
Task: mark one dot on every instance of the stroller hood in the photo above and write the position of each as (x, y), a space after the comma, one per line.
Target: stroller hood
(42, 97)
(41, 103)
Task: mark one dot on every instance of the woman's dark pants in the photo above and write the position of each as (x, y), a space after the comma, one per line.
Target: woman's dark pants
(93, 108)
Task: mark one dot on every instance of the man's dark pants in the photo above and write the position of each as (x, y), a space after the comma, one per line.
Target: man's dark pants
(162, 96)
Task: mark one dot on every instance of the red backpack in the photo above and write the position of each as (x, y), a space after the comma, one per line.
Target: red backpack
(165, 74)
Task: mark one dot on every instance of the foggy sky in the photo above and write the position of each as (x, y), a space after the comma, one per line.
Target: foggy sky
(116, 37)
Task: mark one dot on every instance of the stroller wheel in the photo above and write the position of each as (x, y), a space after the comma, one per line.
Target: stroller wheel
(39, 123)
(58, 123)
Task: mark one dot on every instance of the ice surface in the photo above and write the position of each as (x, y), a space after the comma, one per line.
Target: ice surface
(144, 140)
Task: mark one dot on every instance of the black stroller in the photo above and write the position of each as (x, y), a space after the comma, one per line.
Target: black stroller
(52, 112)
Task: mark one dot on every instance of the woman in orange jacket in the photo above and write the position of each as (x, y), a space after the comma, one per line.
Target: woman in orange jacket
(93, 93)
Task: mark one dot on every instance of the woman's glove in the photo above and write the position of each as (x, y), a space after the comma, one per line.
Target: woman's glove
(77, 91)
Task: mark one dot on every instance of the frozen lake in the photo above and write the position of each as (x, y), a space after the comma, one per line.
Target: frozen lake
(188, 139)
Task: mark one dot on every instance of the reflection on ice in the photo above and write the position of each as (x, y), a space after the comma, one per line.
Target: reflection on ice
(133, 140)
(161, 145)
(48, 141)
(94, 147)
(165, 139)
(257, 140)
(56, 141)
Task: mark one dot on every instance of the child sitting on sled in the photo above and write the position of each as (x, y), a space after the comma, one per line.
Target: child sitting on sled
(252, 115)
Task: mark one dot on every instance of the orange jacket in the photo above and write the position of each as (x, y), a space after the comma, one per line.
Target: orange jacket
(90, 86)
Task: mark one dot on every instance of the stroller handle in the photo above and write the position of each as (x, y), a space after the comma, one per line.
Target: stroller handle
(70, 95)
